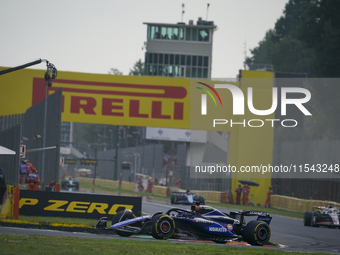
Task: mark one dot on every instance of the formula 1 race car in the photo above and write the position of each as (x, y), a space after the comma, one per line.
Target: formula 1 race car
(69, 184)
(322, 216)
(199, 223)
(186, 197)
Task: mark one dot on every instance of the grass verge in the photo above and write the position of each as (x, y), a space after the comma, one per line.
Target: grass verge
(37, 244)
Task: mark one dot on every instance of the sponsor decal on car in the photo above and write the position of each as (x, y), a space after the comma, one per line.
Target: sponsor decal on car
(215, 229)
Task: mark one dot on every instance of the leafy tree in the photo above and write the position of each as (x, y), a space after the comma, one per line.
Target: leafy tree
(138, 68)
(306, 40)
(260, 53)
(320, 31)
(115, 71)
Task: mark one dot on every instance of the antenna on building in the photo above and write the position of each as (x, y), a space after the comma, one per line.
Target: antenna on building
(207, 11)
(182, 12)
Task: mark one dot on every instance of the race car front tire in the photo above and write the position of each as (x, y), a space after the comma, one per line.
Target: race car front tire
(318, 218)
(163, 227)
(256, 233)
(307, 218)
(121, 216)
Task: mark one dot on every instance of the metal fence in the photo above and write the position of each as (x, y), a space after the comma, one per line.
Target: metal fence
(145, 159)
(314, 152)
(28, 129)
(33, 130)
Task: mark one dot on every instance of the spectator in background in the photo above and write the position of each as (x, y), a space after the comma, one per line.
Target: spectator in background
(140, 184)
(29, 166)
(162, 181)
(33, 180)
(156, 181)
(269, 193)
(238, 194)
(178, 183)
(245, 192)
(24, 170)
(3, 185)
(150, 184)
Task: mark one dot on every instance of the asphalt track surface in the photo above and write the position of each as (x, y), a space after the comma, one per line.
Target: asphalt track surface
(290, 233)
(286, 231)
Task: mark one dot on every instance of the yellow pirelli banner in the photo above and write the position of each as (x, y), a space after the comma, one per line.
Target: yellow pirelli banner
(102, 99)
(160, 102)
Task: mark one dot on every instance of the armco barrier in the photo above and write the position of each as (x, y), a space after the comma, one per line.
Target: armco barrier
(297, 204)
(107, 183)
(212, 196)
(127, 185)
(159, 190)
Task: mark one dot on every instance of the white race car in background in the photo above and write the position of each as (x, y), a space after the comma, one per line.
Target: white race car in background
(322, 216)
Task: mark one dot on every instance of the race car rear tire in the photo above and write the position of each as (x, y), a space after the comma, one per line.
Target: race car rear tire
(121, 216)
(163, 227)
(173, 199)
(76, 184)
(307, 218)
(256, 233)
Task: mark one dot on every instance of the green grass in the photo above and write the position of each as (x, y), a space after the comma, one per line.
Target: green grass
(89, 222)
(37, 244)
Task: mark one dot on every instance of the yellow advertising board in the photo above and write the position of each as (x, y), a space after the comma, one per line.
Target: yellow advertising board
(153, 102)
(102, 99)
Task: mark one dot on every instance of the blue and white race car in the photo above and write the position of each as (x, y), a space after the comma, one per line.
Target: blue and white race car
(199, 223)
(186, 197)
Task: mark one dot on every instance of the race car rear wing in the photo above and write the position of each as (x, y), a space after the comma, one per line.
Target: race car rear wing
(261, 216)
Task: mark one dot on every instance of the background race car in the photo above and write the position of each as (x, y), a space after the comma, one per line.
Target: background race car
(322, 216)
(199, 223)
(69, 184)
(186, 197)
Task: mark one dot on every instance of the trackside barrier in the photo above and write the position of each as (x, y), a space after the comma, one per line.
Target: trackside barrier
(159, 190)
(106, 183)
(127, 185)
(57, 187)
(6, 209)
(277, 201)
(212, 196)
(16, 198)
(297, 204)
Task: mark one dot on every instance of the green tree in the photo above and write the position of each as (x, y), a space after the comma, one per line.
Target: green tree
(306, 40)
(320, 31)
(260, 53)
(138, 68)
(115, 71)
